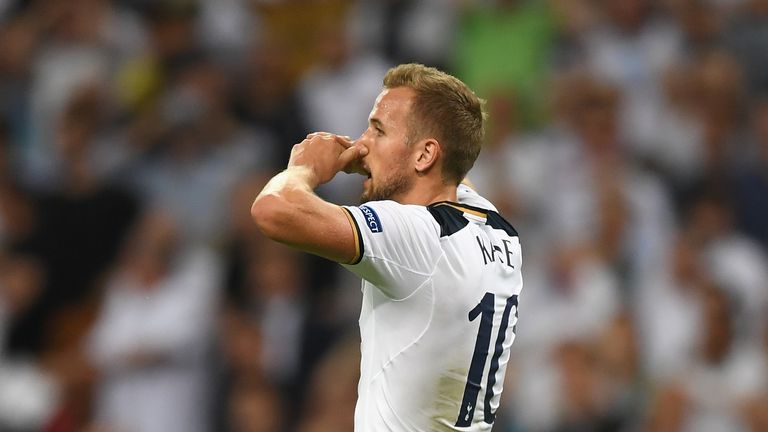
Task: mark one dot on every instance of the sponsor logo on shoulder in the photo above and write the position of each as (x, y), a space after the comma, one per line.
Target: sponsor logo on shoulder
(371, 219)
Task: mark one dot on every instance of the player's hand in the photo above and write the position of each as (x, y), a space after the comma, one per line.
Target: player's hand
(355, 166)
(324, 155)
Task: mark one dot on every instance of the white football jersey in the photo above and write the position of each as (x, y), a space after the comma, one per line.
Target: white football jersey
(440, 294)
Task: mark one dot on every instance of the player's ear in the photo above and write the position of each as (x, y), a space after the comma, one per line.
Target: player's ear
(426, 154)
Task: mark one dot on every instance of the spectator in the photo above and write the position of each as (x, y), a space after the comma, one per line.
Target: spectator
(597, 195)
(151, 340)
(745, 36)
(667, 312)
(269, 100)
(256, 408)
(28, 393)
(631, 48)
(736, 263)
(352, 79)
(751, 185)
(726, 374)
(205, 153)
(83, 212)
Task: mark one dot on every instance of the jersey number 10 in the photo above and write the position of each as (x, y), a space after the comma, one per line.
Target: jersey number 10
(485, 309)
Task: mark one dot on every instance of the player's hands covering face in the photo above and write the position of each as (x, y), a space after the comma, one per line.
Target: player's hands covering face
(325, 154)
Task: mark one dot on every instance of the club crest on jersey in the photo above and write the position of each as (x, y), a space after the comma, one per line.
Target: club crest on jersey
(371, 219)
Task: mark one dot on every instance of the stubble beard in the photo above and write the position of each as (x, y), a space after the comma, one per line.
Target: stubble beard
(396, 184)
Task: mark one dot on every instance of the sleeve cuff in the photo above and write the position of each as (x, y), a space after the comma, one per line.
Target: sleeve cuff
(359, 247)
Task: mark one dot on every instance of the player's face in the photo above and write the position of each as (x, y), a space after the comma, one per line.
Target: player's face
(389, 155)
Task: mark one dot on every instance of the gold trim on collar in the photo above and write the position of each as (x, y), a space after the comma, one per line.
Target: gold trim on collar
(467, 210)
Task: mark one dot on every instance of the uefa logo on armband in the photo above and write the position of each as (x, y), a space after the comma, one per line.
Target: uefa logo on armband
(371, 219)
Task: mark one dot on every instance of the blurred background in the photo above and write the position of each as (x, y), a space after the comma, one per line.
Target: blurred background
(627, 142)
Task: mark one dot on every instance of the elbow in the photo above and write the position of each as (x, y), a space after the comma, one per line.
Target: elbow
(266, 214)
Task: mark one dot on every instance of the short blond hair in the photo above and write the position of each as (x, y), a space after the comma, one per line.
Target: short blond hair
(446, 109)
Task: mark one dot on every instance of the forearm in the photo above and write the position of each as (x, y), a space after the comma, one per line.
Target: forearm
(288, 211)
(292, 179)
(285, 194)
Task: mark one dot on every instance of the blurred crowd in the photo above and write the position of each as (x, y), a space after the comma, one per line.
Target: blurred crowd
(627, 143)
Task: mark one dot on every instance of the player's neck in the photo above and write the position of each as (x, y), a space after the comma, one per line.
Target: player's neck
(426, 191)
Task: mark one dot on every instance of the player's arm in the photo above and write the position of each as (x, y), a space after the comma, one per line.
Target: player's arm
(288, 211)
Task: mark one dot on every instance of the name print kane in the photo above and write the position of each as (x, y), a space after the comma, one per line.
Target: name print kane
(489, 254)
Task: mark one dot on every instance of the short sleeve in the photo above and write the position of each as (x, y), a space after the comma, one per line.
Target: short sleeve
(397, 245)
